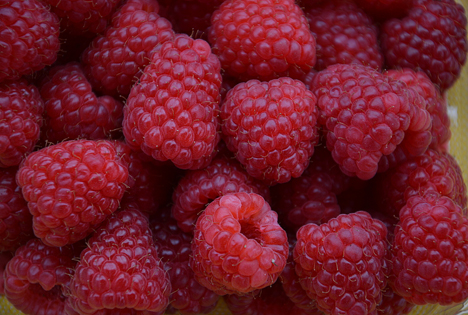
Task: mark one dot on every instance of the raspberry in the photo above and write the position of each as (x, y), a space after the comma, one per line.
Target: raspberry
(5, 257)
(430, 252)
(173, 247)
(344, 35)
(431, 38)
(71, 187)
(80, 17)
(262, 39)
(114, 61)
(341, 263)
(238, 246)
(271, 127)
(36, 276)
(364, 114)
(15, 219)
(198, 188)
(120, 270)
(73, 111)
(20, 113)
(385, 9)
(393, 304)
(30, 38)
(432, 171)
(172, 113)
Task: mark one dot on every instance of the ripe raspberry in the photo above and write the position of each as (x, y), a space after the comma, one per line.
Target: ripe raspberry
(385, 9)
(432, 171)
(393, 304)
(30, 38)
(198, 188)
(120, 270)
(71, 187)
(430, 252)
(172, 113)
(21, 108)
(435, 104)
(364, 114)
(114, 61)
(5, 257)
(431, 38)
(271, 127)
(344, 35)
(262, 39)
(36, 276)
(15, 219)
(80, 17)
(73, 111)
(341, 263)
(173, 247)
(238, 246)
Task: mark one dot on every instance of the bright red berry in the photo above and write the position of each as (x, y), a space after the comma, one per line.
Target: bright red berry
(21, 110)
(120, 270)
(71, 187)
(30, 38)
(262, 39)
(344, 35)
(432, 38)
(198, 188)
(271, 127)
(73, 111)
(238, 245)
(364, 115)
(114, 61)
(172, 113)
(430, 252)
(341, 263)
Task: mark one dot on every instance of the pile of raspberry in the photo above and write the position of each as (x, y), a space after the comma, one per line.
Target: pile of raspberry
(287, 157)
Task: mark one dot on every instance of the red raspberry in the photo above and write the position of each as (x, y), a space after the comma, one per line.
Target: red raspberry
(114, 61)
(36, 277)
(341, 263)
(120, 270)
(432, 171)
(80, 17)
(173, 246)
(30, 38)
(21, 109)
(344, 34)
(430, 252)
(172, 113)
(271, 127)
(393, 304)
(364, 113)
(5, 257)
(262, 39)
(15, 219)
(238, 246)
(198, 188)
(431, 38)
(71, 187)
(435, 104)
(73, 111)
(385, 9)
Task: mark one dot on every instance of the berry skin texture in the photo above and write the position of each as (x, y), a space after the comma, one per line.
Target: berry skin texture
(172, 114)
(36, 277)
(71, 187)
(430, 252)
(262, 39)
(120, 270)
(431, 38)
(198, 188)
(15, 219)
(238, 245)
(344, 35)
(114, 61)
(341, 263)
(271, 127)
(364, 115)
(30, 38)
(21, 110)
(73, 111)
